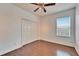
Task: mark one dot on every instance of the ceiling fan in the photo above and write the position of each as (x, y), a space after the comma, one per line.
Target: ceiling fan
(42, 6)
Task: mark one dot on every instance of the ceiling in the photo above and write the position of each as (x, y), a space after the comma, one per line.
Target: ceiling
(50, 9)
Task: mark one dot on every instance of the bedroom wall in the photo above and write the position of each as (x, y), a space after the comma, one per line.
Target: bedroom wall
(77, 28)
(48, 28)
(10, 27)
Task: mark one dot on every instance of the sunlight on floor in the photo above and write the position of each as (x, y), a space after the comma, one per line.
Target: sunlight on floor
(62, 53)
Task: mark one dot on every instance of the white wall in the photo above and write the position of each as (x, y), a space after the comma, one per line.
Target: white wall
(48, 28)
(10, 26)
(77, 28)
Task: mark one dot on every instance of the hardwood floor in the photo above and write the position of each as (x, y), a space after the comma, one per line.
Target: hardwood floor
(43, 48)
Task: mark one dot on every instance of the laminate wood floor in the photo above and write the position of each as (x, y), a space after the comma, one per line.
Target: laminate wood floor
(43, 48)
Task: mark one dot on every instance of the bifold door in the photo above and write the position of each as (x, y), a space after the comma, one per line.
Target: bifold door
(29, 31)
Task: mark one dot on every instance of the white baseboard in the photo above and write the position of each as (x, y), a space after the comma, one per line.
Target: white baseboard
(28, 42)
(77, 50)
(62, 43)
(9, 50)
(15, 47)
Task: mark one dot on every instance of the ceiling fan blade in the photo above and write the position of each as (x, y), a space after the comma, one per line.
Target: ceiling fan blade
(36, 9)
(44, 10)
(35, 3)
(49, 4)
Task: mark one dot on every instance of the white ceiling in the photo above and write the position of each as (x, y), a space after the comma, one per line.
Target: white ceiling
(50, 9)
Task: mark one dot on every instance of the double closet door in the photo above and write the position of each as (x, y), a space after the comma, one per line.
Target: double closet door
(29, 31)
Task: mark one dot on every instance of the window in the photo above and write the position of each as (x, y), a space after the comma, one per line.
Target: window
(63, 26)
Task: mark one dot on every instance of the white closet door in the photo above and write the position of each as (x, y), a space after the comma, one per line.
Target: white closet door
(29, 31)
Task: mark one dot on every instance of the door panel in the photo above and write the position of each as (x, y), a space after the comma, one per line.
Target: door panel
(29, 31)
